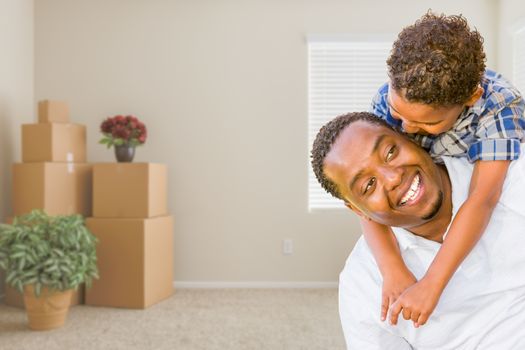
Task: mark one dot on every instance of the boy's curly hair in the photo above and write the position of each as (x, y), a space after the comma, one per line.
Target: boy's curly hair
(437, 61)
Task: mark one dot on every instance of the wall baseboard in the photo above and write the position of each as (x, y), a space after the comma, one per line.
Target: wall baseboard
(252, 285)
(247, 285)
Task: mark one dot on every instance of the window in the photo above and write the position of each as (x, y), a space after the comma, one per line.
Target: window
(518, 69)
(343, 76)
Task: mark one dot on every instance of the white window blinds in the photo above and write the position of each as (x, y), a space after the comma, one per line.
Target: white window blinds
(343, 76)
(518, 69)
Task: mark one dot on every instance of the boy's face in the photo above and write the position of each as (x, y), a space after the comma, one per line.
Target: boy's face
(420, 118)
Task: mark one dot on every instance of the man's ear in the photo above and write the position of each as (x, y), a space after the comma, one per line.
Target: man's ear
(357, 211)
(475, 96)
(354, 209)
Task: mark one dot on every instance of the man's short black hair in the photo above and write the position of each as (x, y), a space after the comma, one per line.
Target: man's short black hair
(327, 136)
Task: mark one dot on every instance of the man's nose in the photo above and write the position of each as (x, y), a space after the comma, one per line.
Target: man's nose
(392, 176)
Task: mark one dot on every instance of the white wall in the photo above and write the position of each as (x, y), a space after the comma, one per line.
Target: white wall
(16, 89)
(511, 16)
(222, 87)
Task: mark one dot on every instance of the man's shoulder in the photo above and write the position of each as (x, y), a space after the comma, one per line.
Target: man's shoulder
(359, 264)
(360, 252)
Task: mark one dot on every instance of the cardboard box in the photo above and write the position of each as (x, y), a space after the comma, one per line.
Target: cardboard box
(53, 142)
(16, 299)
(135, 262)
(57, 188)
(53, 112)
(129, 190)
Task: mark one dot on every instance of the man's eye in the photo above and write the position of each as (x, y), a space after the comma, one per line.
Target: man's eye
(369, 185)
(390, 153)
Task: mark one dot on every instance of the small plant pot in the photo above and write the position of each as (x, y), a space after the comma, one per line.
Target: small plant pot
(49, 310)
(124, 153)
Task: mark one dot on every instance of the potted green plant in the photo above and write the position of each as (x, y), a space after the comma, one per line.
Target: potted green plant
(125, 133)
(46, 258)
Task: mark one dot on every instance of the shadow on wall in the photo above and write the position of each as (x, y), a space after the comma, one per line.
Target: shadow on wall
(6, 160)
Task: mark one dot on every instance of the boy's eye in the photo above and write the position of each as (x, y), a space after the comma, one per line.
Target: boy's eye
(390, 153)
(369, 184)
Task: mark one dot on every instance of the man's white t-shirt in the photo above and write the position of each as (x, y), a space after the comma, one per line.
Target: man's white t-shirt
(482, 307)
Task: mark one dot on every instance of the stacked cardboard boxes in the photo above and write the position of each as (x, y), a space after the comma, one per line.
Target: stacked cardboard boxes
(135, 232)
(53, 175)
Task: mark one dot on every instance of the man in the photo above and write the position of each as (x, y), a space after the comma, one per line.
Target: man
(383, 176)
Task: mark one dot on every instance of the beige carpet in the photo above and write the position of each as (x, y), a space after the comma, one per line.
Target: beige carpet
(193, 319)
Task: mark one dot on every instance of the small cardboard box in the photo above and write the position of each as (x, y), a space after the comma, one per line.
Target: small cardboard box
(129, 190)
(57, 188)
(16, 299)
(53, 112)
(53, 142)
(135, 262)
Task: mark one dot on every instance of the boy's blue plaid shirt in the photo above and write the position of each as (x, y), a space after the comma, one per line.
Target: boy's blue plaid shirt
(492, 129)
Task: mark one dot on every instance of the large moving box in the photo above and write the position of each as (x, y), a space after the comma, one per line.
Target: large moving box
(53, 142)
(129, 190)
(135, 261)
(57, 188)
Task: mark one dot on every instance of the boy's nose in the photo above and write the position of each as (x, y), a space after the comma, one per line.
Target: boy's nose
(409, 127)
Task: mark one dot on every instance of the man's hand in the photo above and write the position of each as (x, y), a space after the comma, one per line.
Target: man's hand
(394, 283)
(417, 303)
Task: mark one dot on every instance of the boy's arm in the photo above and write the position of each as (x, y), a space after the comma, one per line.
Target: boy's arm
(396, 276)
(470, 222)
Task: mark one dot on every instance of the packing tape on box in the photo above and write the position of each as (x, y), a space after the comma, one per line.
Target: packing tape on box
(69, 157)
(70, 168)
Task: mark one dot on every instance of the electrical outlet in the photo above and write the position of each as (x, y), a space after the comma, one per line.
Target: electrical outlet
(287, 246)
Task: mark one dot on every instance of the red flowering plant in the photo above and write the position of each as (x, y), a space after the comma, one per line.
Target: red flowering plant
(123, 130)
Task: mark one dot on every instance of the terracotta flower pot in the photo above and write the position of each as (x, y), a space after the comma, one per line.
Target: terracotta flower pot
(49, 310)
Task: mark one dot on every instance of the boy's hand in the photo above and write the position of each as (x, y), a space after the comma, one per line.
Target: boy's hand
(394, 283)
(417, 303)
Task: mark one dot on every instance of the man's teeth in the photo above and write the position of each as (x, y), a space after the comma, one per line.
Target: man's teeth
(412, 191)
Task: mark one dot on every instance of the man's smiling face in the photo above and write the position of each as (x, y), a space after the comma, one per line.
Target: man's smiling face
(384, 175)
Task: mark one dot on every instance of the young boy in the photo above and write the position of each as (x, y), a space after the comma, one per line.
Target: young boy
(440, 93)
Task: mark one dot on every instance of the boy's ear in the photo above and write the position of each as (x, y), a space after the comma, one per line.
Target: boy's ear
(475, 96)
